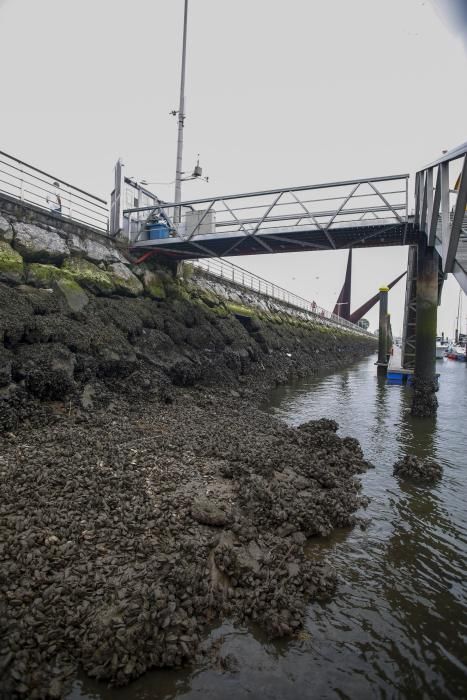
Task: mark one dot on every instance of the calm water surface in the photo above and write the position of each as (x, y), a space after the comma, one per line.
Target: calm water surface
(397, 625)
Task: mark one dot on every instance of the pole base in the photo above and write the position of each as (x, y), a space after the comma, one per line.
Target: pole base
(424, 402)
(381, 369)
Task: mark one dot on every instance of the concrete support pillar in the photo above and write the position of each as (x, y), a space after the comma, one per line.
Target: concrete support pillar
(424, 401)
(383, 332)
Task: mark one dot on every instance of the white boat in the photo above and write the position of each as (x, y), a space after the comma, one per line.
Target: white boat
(459, 351)
(440, 350)
(442, 347)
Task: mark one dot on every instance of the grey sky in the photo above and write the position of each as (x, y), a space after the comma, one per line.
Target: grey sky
(278, 94)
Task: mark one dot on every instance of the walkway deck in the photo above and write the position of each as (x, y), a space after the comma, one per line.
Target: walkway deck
(285, 239)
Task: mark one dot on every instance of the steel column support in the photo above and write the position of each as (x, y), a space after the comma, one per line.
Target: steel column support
(410, 311)
(433, 220)
(458, 220)
(425, 384)
(417, 199)
(423, 209)
(429, 199)
(445, 219)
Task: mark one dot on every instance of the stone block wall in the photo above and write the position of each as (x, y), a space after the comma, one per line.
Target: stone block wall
(42, 251)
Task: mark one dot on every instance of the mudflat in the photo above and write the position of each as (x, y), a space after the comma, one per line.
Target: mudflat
(127, 531)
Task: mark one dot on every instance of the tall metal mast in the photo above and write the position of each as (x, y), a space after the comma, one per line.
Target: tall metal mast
(181, 121)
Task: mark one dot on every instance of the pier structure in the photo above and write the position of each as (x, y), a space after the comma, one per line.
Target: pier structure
(361, 213)
(345, 215)
(441, 249)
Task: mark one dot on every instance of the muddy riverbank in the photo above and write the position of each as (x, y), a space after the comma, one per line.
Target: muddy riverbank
(144, 495)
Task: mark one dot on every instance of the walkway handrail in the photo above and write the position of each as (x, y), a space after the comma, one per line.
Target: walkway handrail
(228, 272)
(454, 153)
(30, 185)
(439, 208)
(252, 214)
(259, 193)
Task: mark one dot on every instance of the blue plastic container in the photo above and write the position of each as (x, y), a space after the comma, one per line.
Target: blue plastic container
(158, 231)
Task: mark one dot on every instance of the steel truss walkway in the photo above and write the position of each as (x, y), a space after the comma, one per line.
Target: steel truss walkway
(329, 216)
(369, 212)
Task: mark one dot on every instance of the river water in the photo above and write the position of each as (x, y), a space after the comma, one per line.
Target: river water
(397, 626)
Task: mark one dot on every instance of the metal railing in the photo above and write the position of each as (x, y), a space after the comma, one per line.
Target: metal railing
(30, 185)
(440, 209)
(320, 207)
(272, 293)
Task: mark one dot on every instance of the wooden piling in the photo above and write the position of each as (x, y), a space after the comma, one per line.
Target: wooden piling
(383, 332)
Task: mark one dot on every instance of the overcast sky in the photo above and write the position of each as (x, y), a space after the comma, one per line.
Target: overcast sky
(278, 94)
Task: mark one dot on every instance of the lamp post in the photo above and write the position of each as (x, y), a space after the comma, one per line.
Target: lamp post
(181, 122)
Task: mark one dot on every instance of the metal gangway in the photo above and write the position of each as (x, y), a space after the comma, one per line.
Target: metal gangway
(367, 212)
(327, 216)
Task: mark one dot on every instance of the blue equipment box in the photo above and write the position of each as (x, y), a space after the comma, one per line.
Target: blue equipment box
(158, 231)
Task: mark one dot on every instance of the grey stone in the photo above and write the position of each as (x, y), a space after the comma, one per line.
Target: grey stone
(36, 243)
(125, 281)
(6, 232)
(75, 297)
(94, 251)
(76, 244)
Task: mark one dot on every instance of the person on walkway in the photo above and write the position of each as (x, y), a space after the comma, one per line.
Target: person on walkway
(54, 199)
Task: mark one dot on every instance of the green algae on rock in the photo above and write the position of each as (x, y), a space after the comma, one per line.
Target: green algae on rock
(90, 276)
(75, 297)
(126, 283)
(40, 275)
(154, 284)
(11, 264)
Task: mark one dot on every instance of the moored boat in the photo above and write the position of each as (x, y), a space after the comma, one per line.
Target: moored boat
(441, 348)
